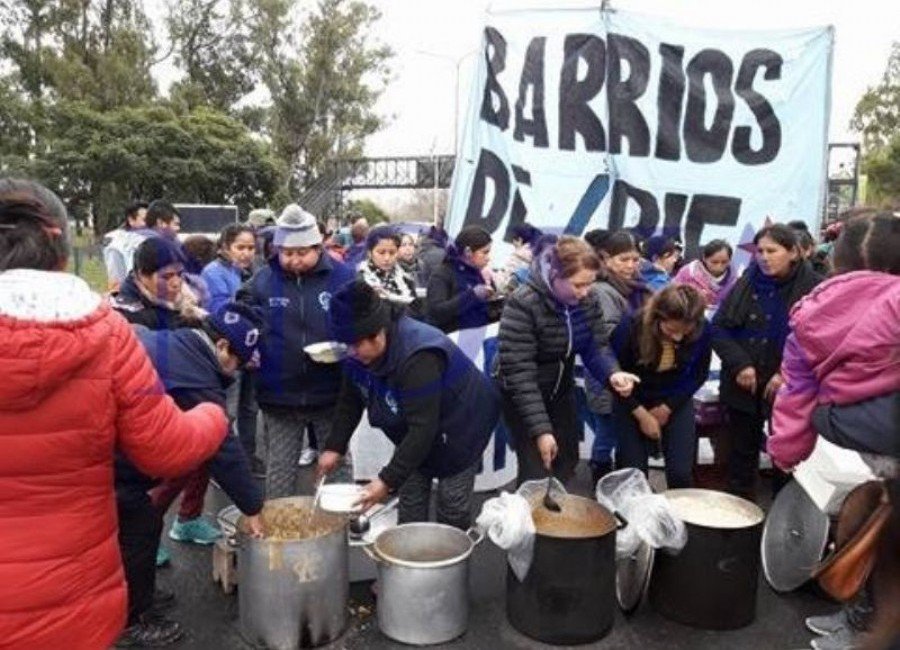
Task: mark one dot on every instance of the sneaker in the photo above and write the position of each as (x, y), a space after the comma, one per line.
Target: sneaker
(308, 457)
(828, 623)
(163, 600)
(163, 557)
(843, 639)
(150, 632)
(196, 531)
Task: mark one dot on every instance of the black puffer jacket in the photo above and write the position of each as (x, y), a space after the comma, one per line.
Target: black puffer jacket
(451, 303)
(750, 329)
(539, 338)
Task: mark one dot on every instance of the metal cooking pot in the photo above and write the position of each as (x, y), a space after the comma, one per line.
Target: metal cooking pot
(423, 578)
(711, 583)
(291, 593)
(568, 596)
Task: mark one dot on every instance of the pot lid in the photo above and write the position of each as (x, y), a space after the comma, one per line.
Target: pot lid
(632, 576)
(793, 539)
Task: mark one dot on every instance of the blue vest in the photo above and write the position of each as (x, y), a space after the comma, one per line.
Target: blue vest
(470, 403)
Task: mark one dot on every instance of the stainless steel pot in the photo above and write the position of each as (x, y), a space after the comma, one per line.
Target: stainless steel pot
(292, 593)
(423, 572)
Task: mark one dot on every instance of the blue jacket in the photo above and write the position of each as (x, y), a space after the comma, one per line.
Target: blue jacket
(223, 280)
(190, 372)
(470, 403)
(295, 312)
(655, 279)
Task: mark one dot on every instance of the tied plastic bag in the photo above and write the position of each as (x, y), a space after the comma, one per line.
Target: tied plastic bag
(508, 522)
(650, 517)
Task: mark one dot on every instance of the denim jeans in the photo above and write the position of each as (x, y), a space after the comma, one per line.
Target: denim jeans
(678, 442)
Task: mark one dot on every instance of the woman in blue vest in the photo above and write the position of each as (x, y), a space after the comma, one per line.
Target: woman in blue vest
(426, 395)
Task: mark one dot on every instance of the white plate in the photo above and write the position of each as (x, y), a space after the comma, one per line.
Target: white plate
(400, 300)
(326, 351)
(339, 497)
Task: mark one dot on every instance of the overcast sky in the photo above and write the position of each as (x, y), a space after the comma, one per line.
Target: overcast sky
(430, 36)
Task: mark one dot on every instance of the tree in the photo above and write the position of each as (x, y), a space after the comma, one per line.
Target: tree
(877, 114)
(213, 46)
(877, 118)
(323, 86)
(367, 208)
(420, 206)
(101, 160)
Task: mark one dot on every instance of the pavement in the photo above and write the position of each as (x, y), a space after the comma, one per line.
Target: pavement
(210, 616)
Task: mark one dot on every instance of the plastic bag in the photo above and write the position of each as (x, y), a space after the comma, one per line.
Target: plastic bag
(508, 522)
(650, 518)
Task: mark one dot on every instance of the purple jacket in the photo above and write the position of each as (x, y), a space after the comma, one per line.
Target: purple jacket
(843, 349)
(696, 275)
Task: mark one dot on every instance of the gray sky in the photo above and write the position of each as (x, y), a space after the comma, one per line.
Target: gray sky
(420, 100)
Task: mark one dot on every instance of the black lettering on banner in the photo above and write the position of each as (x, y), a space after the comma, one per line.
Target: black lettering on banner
(489, 167)
(575, 116)
(669, 102)
(760, 107)
(649, 218)
(701, 144)
(532, 77)
(519, 212)
(495, 56)
(708, 209)
(674, 211)
(625, 119)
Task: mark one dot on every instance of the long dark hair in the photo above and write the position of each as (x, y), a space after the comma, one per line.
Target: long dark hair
(679, 302)
(871, 243)
(33, 227)
(230, 233)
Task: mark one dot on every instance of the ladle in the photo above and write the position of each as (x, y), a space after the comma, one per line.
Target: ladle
(549, 502)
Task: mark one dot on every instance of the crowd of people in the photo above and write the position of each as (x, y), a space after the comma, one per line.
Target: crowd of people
(116, 406)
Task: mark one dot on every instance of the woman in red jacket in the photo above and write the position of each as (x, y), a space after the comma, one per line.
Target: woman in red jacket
(77, 385)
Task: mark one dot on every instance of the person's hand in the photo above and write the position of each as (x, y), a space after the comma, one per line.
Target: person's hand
(623, 383)
(772, 387)
(253, 526)
(483, 291)
(746, 379)
(661, 414)
(328, 462)
(649, 425)
(548, 449)
(373, 492)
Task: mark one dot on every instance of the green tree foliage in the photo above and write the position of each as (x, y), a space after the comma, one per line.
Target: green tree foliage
(213, 47)
(877, 118)
(80, 110)
(323, 80)
(102, 159)
(368, 209)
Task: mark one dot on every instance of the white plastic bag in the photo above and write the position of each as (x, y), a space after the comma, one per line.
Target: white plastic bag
(649, 516)
(508, 522)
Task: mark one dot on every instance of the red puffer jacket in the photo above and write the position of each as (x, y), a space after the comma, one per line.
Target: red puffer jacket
(75, 385)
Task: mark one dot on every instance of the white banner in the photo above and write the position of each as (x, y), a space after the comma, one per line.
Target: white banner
(582, 119)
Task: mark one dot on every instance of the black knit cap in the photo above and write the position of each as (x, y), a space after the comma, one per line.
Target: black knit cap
(358, 312)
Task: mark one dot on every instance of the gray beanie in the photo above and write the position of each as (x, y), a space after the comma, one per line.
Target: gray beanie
(296, 228)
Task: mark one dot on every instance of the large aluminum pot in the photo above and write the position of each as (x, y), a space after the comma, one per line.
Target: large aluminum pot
(292, 593)
(423, 574)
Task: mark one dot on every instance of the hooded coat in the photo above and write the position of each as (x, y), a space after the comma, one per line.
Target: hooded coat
(77, 385)
(844, 349)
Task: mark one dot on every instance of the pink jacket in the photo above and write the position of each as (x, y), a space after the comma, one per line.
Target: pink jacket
(844, 348)
(696, 275)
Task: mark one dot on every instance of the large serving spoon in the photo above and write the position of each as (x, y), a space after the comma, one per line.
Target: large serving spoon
(549, 502)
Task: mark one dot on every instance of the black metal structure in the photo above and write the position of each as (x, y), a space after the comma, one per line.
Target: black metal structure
(325, 195)
(837, 200)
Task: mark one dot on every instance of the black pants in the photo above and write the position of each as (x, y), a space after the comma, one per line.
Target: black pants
(139, 531)
(743, 461)
(678, 443)
(564, 423)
